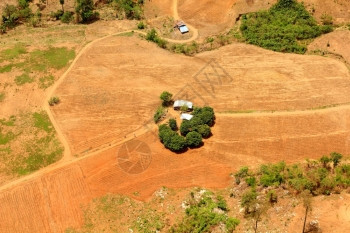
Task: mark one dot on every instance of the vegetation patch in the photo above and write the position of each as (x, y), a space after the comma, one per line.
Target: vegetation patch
(27, 143)
(23, 79)
(128, 9)
(192, 131)
(285, 27)
(46, 81)
(204, 213)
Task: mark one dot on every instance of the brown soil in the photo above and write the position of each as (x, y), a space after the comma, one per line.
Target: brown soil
(335, 42)
(293, 107)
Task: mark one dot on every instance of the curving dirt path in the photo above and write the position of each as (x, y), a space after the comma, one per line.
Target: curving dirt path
(68, 157)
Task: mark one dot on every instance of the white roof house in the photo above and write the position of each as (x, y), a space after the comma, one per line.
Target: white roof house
(182, 27)
(180, 103)
(186, 116)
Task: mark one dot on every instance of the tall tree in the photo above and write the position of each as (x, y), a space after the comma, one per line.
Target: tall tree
(62, 3)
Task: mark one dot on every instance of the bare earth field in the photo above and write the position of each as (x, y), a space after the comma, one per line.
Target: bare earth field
(269, 107)
(92, 116)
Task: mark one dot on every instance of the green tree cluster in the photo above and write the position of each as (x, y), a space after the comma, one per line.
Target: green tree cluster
(13, 15)
(202, 215)
(282, 28)
(85, 10)
(318, 177)
(130, 8)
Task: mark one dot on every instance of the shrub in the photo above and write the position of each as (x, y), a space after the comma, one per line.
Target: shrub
(10, 16)
(85, 9)
(202, 217)
(251, 181)
(248, 201)
(56, 14)
(159, 114)
(131, 9)
(185, 127)
(67, 17)
(165, 134)
(166, 98)
(141, 25)
(327, 19)
(193, 139)
(206, 114)
(336, 157)
(172, 124)
(271, 174)
(204, 130)
(54, 100)
(152, 35)
(177, 143)
(281, 27)
(271, 196)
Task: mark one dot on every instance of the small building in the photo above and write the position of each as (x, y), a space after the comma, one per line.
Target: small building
(186, 116)
(182, 27)
(179, 103)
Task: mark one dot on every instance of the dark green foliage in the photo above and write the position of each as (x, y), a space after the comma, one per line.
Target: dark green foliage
(10, 16)
(177, 143)
(172, 124)
(54, 100)
(85, 9)
(248, 201)
(204, 130)
(166, 98)
(152, 35)
(336, 157)
(201, 217)
(67, 17)
(251, 181)
(56, 14)
(193, 139)
(131, 9)
(314, 177)
(185, 127)
(272, 174)
(282, 27)
(206, 114)
(159, 114)
(325, 160)
(171, 139)
(141, 25)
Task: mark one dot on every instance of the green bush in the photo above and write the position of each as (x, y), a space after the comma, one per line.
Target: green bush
(159, 114)
(248, 201)
(10, 16)
(166, 97)
(272, 174)
(193, 139)
(172, 124)
(152, 35)
(141, 25)
(54, 100)
(206, 114)
(202, 217)
(204, 130)
(67, 17)
(177, 143)
(185, 127)
(165, 134)
(131, 9)
(282, 27)
(251, 181)
(85, 9)
(56, 14)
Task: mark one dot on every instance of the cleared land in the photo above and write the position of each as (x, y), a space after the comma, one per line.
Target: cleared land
(270, 106)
